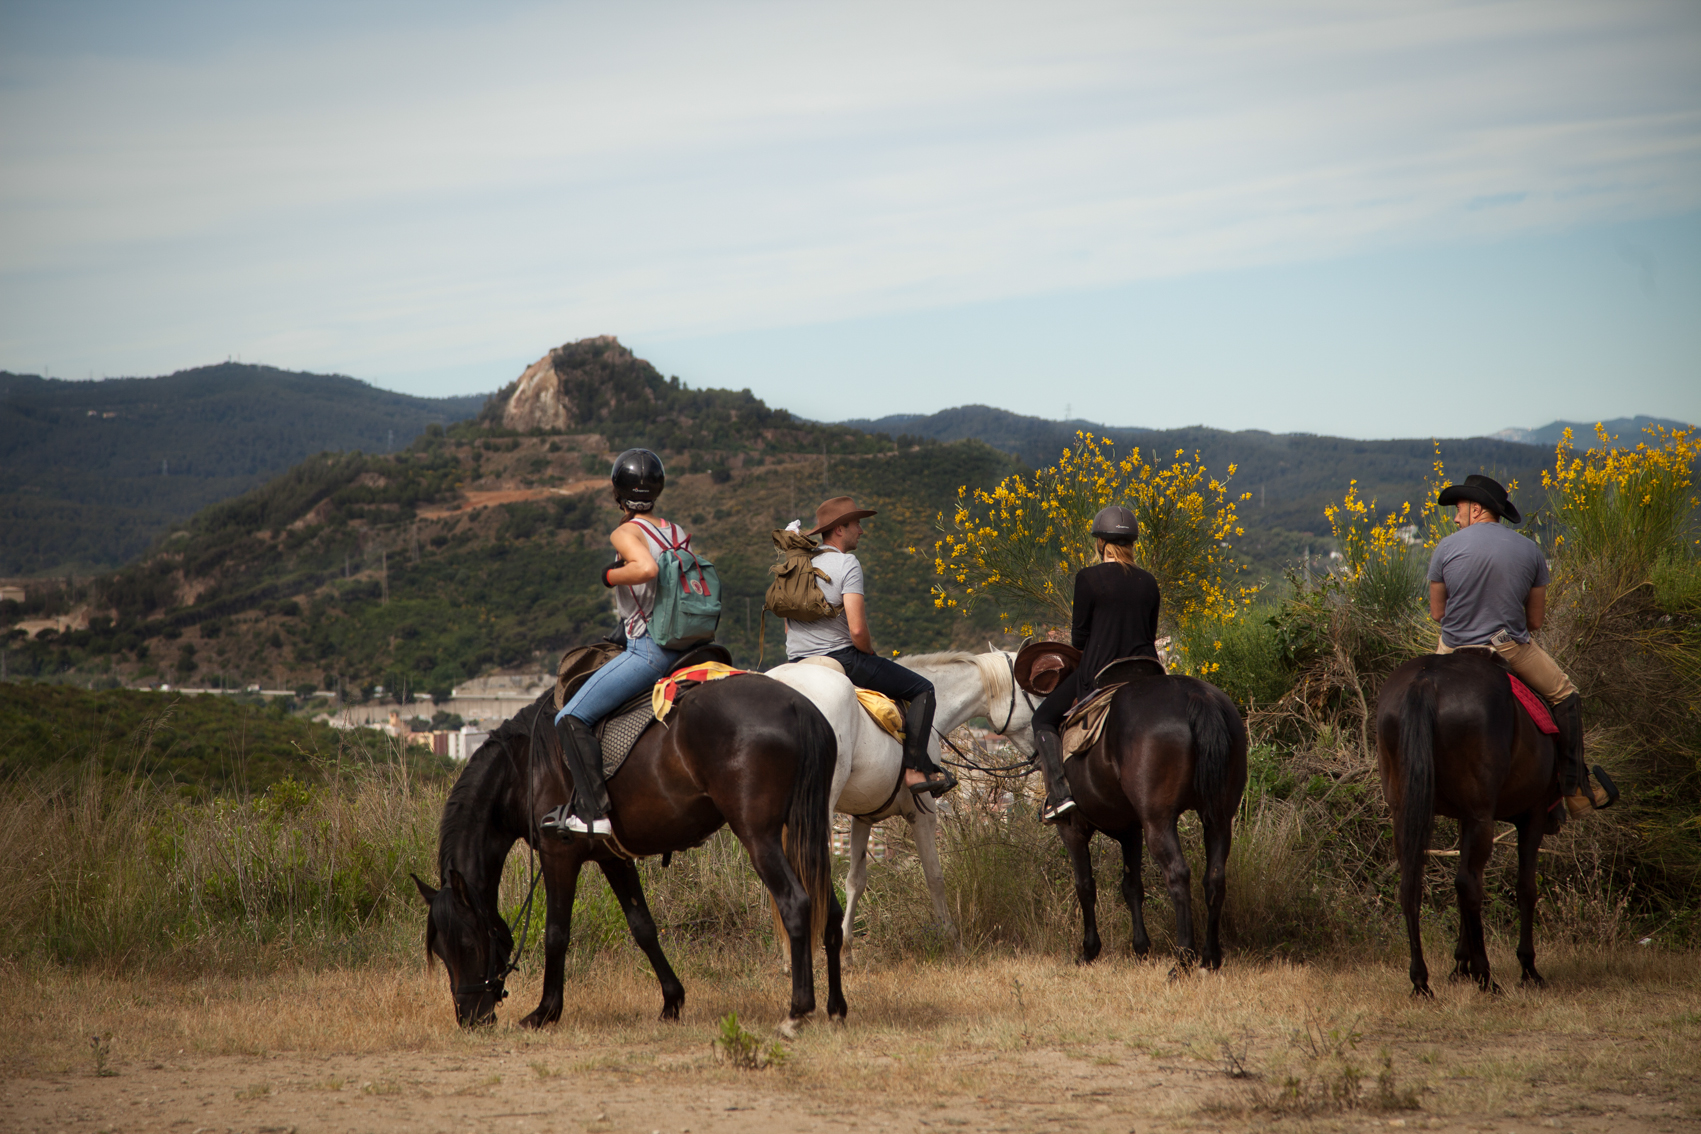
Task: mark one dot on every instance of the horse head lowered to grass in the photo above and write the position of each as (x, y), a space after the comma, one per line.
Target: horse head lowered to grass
(745, 752)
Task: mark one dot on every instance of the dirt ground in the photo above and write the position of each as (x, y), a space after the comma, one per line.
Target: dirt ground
(1614, 1044)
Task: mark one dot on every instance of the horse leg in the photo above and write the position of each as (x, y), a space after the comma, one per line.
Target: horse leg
(1134, 888)
(1218, 836)
(926, 831)
(856, 879)
(560, 884)
(628, 889)
(792, 901)
(1166, 848)
(1077, 839)
(1529, 843)
(832, 940)
(1476, 843)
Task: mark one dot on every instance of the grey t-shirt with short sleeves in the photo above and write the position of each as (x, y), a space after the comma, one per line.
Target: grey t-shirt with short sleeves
(831, 634)
(1488, 570)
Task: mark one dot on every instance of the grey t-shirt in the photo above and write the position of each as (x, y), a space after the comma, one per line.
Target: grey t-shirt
(1488, 570)
(831, 634)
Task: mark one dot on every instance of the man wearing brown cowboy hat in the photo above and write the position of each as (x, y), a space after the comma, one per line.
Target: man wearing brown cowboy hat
(1488, 589)
(843, 636)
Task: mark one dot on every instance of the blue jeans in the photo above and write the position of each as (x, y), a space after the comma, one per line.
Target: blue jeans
(642, 665)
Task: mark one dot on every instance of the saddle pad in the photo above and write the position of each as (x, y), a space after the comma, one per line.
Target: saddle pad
(667, 690)
(619, 733)
(1085, 722)
(884, 710)
(1534, 705)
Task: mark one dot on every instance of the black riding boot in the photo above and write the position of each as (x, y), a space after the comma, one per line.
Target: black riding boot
(1048, 746)
(1580, 796)
(587, 814)
(918, 727)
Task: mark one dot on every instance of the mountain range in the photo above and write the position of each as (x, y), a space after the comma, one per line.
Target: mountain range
(92, 473)
(477, 543)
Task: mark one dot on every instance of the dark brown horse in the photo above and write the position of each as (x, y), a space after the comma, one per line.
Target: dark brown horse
(745, 751)
(1451, 740)
(1170, 744)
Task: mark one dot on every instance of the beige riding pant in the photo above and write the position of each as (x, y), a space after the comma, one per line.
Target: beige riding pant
(1531, 663)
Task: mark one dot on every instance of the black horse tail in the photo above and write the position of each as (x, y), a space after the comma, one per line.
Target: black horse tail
(1417, 770)
(1213, 748)
(809, 827)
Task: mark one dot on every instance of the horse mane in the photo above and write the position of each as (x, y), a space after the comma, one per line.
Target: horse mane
(993, 665)
(487, 771)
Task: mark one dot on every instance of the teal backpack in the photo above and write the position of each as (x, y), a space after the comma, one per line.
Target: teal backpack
(688, 595)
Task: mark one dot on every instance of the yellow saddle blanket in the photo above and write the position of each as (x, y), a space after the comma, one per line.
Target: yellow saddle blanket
(882, 708)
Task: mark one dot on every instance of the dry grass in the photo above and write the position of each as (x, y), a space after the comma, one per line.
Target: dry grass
(1614, 1025)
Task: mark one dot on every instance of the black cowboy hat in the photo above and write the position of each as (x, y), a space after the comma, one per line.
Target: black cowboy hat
(1481, 490)
(1041, 665)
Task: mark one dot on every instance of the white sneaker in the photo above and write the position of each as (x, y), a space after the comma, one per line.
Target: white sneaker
(596, 828)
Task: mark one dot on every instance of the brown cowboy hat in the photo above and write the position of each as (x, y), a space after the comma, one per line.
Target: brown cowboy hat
(1041, 665)
(1481, 490)
(838, 510)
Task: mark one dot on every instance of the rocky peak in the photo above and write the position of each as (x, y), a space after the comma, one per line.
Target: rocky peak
(579, 386)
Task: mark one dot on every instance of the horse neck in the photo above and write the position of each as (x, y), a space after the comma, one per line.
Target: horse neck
(482, 820)
(960, 691)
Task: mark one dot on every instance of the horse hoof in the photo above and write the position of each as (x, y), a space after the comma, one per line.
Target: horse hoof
(1492, 988)
(1422, 992)
(1180, 972)
(1533, 978)
(793, 1025)
(670, 1012)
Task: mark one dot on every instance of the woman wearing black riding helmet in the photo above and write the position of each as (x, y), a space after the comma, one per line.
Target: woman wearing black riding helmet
(637, 479)
(1115, 615)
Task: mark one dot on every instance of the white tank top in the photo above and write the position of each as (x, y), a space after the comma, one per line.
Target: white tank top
(633, 604)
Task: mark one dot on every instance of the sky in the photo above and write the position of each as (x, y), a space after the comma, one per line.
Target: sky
(1372, 220)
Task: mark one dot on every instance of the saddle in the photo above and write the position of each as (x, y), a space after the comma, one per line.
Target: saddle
(618, 732)
(1085, 722)
(1540, 714)
(881, 709)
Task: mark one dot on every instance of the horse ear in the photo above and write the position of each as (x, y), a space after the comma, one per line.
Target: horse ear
(425, 891)
(459, 886)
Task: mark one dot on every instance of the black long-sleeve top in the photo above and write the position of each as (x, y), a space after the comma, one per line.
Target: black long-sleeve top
(1116, 616)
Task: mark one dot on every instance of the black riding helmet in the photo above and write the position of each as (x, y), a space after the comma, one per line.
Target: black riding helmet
(638, 479)
(1116, 524)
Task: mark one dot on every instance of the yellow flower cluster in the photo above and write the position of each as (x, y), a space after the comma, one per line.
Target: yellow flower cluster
(1026, 539)
(1629, 504)
(1365, 542)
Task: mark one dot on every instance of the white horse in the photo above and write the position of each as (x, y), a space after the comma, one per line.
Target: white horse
(868, 781)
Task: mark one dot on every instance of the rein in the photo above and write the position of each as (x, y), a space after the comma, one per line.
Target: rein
(1010, 771)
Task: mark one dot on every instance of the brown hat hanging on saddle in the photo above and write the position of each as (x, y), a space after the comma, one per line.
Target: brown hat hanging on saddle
(1479, 489)
(1042, 665)
(838, 510)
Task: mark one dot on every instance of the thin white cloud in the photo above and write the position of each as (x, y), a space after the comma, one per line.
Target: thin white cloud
(434, 192)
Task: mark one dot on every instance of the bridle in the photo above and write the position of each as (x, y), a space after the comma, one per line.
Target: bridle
(1023, 768)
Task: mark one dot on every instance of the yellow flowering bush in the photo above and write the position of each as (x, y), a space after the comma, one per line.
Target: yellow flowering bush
(1022, 542)
(1622, 506)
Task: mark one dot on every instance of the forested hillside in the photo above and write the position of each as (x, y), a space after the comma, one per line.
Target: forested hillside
(480, 546)
(91, 473)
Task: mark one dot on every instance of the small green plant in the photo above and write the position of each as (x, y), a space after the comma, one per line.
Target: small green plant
(741, 1048)
(102, 1047)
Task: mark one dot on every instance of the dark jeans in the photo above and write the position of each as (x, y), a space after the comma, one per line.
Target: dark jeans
(1058, 702)
(871, 671)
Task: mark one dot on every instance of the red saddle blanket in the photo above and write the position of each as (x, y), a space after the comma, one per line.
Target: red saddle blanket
(1534, 705)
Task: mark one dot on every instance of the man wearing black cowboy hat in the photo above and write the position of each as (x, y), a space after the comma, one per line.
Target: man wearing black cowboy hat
(1488, 589)
(844, 637)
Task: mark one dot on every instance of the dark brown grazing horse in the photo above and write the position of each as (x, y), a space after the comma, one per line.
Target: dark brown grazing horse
(1451, 740)
(744, 751)
(1170, 744)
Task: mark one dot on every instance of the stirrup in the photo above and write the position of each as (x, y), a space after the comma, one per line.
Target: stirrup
(1052, 812)
(936, 785)
(563, 824)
